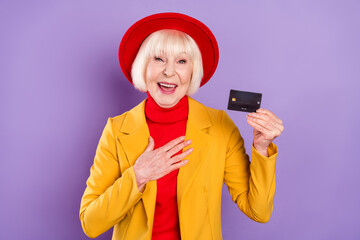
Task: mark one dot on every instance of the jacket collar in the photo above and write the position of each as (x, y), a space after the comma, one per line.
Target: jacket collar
(136, 119)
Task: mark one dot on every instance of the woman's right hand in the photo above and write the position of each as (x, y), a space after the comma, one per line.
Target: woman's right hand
(154, 164)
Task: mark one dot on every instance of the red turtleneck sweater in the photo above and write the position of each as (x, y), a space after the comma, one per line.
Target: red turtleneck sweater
(166, 124)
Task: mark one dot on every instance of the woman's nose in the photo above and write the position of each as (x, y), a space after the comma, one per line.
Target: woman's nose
(169, 70)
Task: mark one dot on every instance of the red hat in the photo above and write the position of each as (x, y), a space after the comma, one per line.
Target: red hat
(137, 33)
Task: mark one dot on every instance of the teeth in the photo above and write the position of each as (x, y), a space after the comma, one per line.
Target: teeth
(167, 85)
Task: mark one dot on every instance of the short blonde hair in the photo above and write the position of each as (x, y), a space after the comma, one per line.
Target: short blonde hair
(169, 42)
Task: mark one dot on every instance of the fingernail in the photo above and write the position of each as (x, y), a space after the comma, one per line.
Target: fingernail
(189, 141)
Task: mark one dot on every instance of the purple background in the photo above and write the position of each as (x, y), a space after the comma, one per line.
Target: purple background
(61, 80)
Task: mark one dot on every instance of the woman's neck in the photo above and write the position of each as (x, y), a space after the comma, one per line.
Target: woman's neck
(166, 115)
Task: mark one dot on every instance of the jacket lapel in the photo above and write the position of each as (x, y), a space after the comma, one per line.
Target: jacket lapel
(134, 139)
(198, 122)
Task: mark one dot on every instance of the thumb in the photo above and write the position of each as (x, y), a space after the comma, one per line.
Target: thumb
(150, 145)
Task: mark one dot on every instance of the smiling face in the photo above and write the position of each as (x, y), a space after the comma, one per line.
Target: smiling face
(168, 78)
(168, 65)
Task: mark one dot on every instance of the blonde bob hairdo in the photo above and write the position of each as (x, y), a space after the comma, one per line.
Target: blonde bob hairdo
(169, 42)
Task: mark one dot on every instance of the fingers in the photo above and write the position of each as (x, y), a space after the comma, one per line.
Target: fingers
(264, 120)
(172, 144)
(150, 145)
(178, 165)
(178, 148)
(267, 120)
(266, 132)
(181, 156)
(269, 113)
(160, 162)
(269, 132)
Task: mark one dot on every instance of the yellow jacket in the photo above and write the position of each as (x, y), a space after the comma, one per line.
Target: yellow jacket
(112, 199)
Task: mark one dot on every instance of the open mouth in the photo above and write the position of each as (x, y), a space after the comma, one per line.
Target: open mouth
(167, 88)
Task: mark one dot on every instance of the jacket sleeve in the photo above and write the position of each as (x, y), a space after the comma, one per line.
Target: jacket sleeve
(251, 184)
(109, 195)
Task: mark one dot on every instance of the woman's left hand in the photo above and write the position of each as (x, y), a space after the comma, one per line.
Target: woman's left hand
(266, 126)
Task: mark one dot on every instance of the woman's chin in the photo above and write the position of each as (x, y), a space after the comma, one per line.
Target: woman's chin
(167, 100)
(167, 103)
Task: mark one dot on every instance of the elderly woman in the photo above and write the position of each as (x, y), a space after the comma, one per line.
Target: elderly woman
(159, 168)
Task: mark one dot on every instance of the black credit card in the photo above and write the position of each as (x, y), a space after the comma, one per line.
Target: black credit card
(244, 101)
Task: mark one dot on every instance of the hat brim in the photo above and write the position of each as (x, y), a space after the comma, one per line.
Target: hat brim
(140, 30)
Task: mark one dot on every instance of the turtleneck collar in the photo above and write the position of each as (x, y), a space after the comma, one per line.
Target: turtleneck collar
(155, 113)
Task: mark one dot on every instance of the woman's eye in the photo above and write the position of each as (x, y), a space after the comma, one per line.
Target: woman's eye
(158, 59)
(182, 61)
